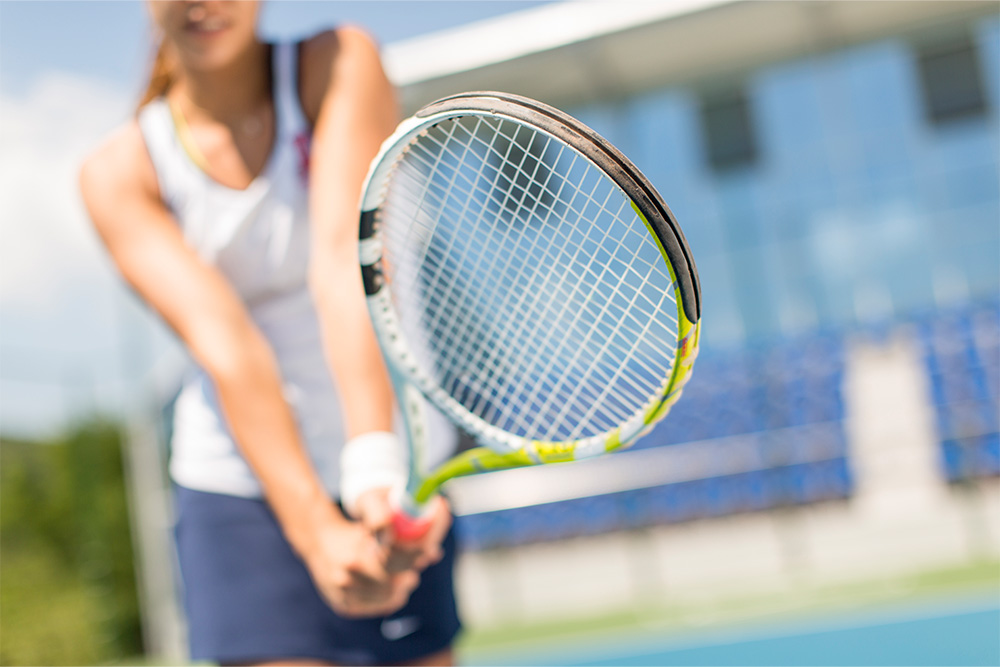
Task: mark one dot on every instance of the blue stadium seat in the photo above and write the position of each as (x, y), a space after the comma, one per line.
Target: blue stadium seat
(961, 348)
(988, 455)
(786, 396)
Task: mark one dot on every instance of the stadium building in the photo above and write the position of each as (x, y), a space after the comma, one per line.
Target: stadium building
(834, 166)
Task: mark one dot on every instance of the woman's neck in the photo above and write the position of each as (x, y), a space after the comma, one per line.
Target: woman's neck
(227, 95)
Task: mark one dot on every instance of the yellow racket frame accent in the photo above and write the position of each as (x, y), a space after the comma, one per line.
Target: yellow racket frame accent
(484, 459)
(642, 196)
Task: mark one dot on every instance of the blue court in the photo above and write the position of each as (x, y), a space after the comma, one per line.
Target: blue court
(960, 632)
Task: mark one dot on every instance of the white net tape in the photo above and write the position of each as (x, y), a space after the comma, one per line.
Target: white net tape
(527, 286)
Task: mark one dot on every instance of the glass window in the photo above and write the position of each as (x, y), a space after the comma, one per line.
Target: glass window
(951, 80)
(728, 130)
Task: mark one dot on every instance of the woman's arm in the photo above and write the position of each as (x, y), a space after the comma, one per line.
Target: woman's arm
(353, 108)
(119, 188)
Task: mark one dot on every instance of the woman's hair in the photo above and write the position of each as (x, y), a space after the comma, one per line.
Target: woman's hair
(161, 75)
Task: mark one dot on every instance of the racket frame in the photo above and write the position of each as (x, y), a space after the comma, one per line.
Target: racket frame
(504, 450)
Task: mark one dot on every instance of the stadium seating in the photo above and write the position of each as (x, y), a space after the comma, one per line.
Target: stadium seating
(776, 409)
(961, 351)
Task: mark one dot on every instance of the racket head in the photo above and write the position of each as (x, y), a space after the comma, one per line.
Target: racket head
(527, 278)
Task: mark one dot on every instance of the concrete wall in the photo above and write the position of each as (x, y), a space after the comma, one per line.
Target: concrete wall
(903, 518)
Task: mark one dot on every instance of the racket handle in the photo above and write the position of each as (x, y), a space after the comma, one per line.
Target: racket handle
(408, 528)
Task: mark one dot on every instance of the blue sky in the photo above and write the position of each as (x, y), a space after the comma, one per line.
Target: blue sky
(73, 340)
(109, 40)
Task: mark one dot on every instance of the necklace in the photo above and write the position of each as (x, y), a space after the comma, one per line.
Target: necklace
(252, 127)
(187, 141)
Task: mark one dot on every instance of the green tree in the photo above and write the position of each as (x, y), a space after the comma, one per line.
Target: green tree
(67, 584)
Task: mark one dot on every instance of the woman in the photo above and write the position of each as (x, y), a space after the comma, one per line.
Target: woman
(203, 204)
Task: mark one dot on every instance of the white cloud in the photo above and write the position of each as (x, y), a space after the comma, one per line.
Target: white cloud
(70, 342)
(45, 238)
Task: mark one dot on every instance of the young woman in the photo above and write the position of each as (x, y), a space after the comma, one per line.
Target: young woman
(230, 205)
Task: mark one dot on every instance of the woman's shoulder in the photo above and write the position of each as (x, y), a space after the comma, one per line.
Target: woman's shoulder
(351, 41)
(327, 55)
(120, 165)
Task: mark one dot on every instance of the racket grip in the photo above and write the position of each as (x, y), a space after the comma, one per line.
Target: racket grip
(408, 528)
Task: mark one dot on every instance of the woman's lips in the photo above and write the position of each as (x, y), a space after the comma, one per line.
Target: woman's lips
(207, 27)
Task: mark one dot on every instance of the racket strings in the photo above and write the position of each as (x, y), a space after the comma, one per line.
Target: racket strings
(536, 170)
(596, 373)
(579, 188)
(607, 395)
(522, 370)
(446, 196)
(522, 197)
(423, 220)
(443, 303)
(515, 233)
(476, 268)
(422, 224)
(603, 208)
(494, 390)
(513, 301)
(542, 346)
(432, 287)
(527, 379)
(591, 362)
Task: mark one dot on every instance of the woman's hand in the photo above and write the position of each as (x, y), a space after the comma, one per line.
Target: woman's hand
(375, 510)
(349, 568)
(352, 106)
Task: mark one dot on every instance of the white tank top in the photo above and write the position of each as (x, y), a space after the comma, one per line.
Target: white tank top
(259, 239)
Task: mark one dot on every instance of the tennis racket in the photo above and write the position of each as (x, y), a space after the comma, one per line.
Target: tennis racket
(526, 279)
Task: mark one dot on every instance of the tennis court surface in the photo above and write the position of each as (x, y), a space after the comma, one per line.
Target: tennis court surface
(953, 631)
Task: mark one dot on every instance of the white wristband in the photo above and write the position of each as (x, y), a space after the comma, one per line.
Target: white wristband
(370, 461)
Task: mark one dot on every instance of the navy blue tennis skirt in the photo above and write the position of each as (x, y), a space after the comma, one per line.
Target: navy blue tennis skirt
(249, 598)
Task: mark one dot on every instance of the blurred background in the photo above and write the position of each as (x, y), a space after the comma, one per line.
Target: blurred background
(827, 491)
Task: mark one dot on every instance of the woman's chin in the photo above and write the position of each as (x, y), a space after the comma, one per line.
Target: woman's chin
(208, 55)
